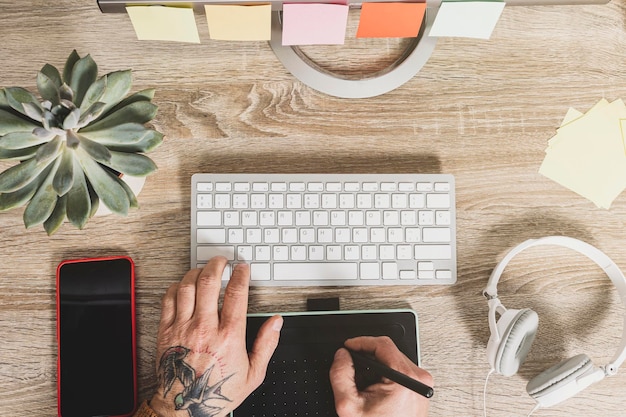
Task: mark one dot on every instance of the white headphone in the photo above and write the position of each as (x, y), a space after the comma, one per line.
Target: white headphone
(513, 333)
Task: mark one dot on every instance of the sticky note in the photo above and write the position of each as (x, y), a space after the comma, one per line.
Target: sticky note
(390, 20)
(314, 24)
(588, 156)
(233, 22)
(467, 19)
(164, 23)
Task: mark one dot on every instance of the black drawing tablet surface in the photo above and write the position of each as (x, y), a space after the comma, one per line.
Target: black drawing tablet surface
(297, 382)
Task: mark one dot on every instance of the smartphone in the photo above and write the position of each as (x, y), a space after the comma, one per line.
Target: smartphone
(96, 368)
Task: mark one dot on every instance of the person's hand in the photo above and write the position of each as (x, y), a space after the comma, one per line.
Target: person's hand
(203, 366)
(384, 398)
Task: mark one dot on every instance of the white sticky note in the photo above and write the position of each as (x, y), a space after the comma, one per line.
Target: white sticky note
(234, 22)
(467, 19)
(164, 23)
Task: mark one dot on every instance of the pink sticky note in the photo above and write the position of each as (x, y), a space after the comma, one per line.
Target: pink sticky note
(314, 24)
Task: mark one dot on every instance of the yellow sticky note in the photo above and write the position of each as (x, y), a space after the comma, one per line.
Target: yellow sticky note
(164, 23)
(233, 22)
(588, 156)
(573, 116)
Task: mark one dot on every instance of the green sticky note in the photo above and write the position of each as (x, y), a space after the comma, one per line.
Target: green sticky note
(163, 23)
(233, 22)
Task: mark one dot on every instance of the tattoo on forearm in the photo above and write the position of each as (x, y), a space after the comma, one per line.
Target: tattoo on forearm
(197, 397)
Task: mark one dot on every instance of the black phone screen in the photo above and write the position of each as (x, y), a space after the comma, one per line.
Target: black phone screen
(96, 338)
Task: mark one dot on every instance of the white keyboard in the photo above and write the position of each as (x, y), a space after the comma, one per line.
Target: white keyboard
(327, 229)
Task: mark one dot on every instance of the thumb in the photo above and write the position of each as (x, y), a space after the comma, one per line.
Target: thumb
(342, 381)
(263, 348)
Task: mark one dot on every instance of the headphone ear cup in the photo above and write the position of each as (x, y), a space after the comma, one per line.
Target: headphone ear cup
(518, 329)
(559, 382)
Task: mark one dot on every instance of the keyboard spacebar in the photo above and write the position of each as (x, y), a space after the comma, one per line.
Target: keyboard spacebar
(315, 271)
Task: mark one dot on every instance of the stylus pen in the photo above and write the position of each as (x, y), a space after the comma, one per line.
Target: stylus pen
(392, 374)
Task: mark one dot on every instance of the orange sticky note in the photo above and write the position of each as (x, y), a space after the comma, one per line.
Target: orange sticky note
(390, 20)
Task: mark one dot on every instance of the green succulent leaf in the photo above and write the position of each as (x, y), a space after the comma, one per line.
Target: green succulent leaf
(49, 151)
(132, 198)
(79, 202)
(109, 191)
(118, 85)
(3, 99)
(131, 164)
(53, 74)
(97, 151)
(69, 66)
(91, 114)
(143, 95)
(138, 112)
(18, 154)
(10, 122)
(150, 142)
(43, 202)
(95, 200)
(21, 174)
(54, 222)
(94, 93)
(64, 177)
(20, 197)
(71, 120)
(47, 85)
(126, 133)
(33, 111)
(21, 140)
(66, 93)
(84, 74)
(17, 96)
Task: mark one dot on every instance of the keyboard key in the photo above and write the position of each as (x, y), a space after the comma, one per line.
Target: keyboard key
(297, 186)
(204, 253)
(244, 253)
(388, 186)
(436, 234)
(437, 201)
(242, 186)
(222, 201)
(352, 186)
(433, 252)
(281, 253)
(211, 236)
(260, 272)
(370, 270)
(278, 186)
(315, 271)
(442, 187)
(333, 186)
(260, 186)
(370, 186)
(223, 186)
(204, 186)
(204, 201)
(209, 218)
(406, 186)
(424, 186)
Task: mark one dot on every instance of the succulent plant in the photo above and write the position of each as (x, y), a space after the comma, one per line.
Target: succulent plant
(73, 145)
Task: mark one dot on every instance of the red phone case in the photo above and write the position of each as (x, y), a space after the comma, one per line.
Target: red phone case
(133, 326)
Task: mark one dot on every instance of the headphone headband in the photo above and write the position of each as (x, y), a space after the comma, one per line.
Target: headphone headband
(591, 252)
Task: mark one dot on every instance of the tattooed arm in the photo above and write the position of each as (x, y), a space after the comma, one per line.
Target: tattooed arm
(203, 367)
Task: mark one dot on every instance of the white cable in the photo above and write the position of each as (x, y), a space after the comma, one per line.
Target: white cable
(537, 407)
(485, 393)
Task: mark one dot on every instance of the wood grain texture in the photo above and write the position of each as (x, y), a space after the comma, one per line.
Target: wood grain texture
(481, 110)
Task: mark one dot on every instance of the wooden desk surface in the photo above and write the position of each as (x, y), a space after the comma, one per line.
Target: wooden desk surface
(481, 110)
